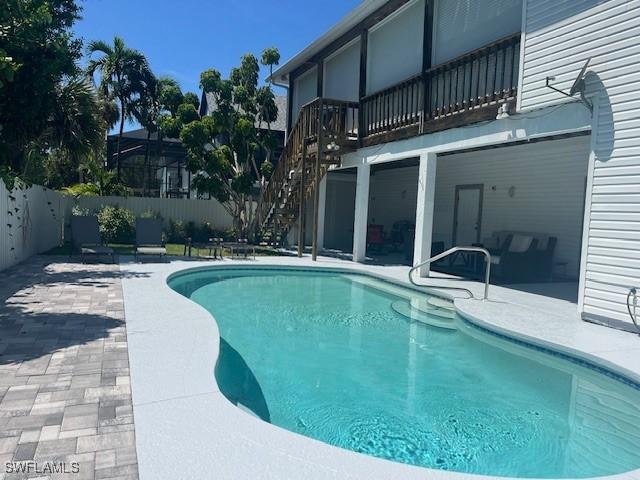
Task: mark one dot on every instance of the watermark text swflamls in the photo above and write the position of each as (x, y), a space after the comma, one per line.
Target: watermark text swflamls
(45, 468)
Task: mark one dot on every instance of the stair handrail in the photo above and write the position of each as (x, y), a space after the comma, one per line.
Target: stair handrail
(451, 251)
(296, 135)
(307, 124)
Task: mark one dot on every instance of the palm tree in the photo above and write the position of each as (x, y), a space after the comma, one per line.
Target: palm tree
(148, 110)
(73, 131)
(124, 75)
(76, 125)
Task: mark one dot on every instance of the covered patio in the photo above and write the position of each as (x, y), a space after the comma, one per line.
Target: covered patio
(523, 201)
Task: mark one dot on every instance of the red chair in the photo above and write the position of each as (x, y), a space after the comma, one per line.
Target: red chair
(375, 237)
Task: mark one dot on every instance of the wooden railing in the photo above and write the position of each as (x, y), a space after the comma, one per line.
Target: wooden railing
(487, 76)
(393, 108)
(334, 121)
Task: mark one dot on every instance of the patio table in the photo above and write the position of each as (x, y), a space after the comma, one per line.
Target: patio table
(214, 245)
(242, 245)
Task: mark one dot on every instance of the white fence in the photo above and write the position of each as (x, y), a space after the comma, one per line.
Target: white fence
(32, 221)
(186, 210)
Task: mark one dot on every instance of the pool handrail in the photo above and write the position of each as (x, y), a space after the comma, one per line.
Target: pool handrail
(446, 253)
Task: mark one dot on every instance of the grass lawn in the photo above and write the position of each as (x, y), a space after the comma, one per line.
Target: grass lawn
(174, 249)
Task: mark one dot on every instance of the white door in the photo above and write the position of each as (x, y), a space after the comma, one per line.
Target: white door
(468, 215)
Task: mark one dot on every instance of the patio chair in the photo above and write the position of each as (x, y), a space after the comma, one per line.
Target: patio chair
(543, 266)
(375, 238)
(516, 262)
(149, 238)
(86, 239)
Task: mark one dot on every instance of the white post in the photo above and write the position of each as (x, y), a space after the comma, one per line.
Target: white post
(424, 211)
(322, 204)
(586, 223)
(361, 214)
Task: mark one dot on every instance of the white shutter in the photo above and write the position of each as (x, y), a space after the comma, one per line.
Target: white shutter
(305, 89)
(395, 48)
(461, 26)
(342, 74)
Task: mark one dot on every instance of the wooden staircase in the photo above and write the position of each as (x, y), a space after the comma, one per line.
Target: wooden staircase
(325, 130)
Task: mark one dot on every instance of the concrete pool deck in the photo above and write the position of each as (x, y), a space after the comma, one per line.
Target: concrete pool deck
(186, 428)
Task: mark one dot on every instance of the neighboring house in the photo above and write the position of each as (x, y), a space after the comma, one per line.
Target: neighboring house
(434, 116)
(164, 172)
(278, 128)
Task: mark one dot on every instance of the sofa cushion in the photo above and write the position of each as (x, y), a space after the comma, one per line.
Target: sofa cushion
(520, 243)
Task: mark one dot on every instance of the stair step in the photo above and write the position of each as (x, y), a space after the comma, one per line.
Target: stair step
(441, 303)
(425, 306)
(404, 308)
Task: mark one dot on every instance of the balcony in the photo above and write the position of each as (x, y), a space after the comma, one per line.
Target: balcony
(465, 90)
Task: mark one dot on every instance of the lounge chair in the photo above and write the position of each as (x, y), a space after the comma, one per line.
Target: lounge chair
(86, 239)
(149, 238)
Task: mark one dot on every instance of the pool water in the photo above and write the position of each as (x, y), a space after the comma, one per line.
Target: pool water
(326, 356)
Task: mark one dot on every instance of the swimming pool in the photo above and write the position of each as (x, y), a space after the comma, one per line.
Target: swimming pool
(327, 355)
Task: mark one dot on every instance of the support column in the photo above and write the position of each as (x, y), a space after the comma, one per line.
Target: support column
(301, 216)
(322, 203)
(361, 213)
(424, 210)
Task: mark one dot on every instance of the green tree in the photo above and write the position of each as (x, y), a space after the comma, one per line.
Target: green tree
(75, 131)
(124, 76)
(268, 110)
(223, 149)
(37, 52)
(150, 108)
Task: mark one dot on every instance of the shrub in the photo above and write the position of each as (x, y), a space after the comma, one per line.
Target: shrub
(78, 211)
(204, 232)
(117, 225)
(151, 214)
(190, 230)
(176, 232)
(230, 235)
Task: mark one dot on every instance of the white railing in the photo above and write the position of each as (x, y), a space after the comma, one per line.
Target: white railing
(451, 251)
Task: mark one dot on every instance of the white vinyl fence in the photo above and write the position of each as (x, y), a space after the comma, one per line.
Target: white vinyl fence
(32, 221)
(36, 219)
(185, 210)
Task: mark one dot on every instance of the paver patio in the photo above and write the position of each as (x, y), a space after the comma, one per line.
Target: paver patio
(64, 372)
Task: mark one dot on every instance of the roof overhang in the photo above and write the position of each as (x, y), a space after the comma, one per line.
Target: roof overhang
(353, 18)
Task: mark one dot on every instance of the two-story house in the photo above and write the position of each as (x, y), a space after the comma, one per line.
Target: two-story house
(418, 125)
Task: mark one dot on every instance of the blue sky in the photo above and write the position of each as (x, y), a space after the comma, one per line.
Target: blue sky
(183, 38)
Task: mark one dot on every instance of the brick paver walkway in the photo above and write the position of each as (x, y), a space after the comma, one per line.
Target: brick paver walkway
(64, 373)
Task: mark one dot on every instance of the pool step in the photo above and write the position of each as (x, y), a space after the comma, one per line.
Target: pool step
(420, 314)
(426, 306)
(441, 303)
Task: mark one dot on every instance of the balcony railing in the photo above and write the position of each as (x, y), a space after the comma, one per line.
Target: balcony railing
(483, 78)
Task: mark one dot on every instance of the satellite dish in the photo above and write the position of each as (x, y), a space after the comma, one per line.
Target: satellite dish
(578, 85)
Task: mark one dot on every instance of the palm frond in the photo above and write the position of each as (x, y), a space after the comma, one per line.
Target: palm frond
(99, 46)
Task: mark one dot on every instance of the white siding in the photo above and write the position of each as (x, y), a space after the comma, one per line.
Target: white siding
(392, 196)
(305, 89)
(342, 73)
(560, 36)
(461, 26)
(549, 180)
(34, 225)
(394, 52)
(339, 210)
